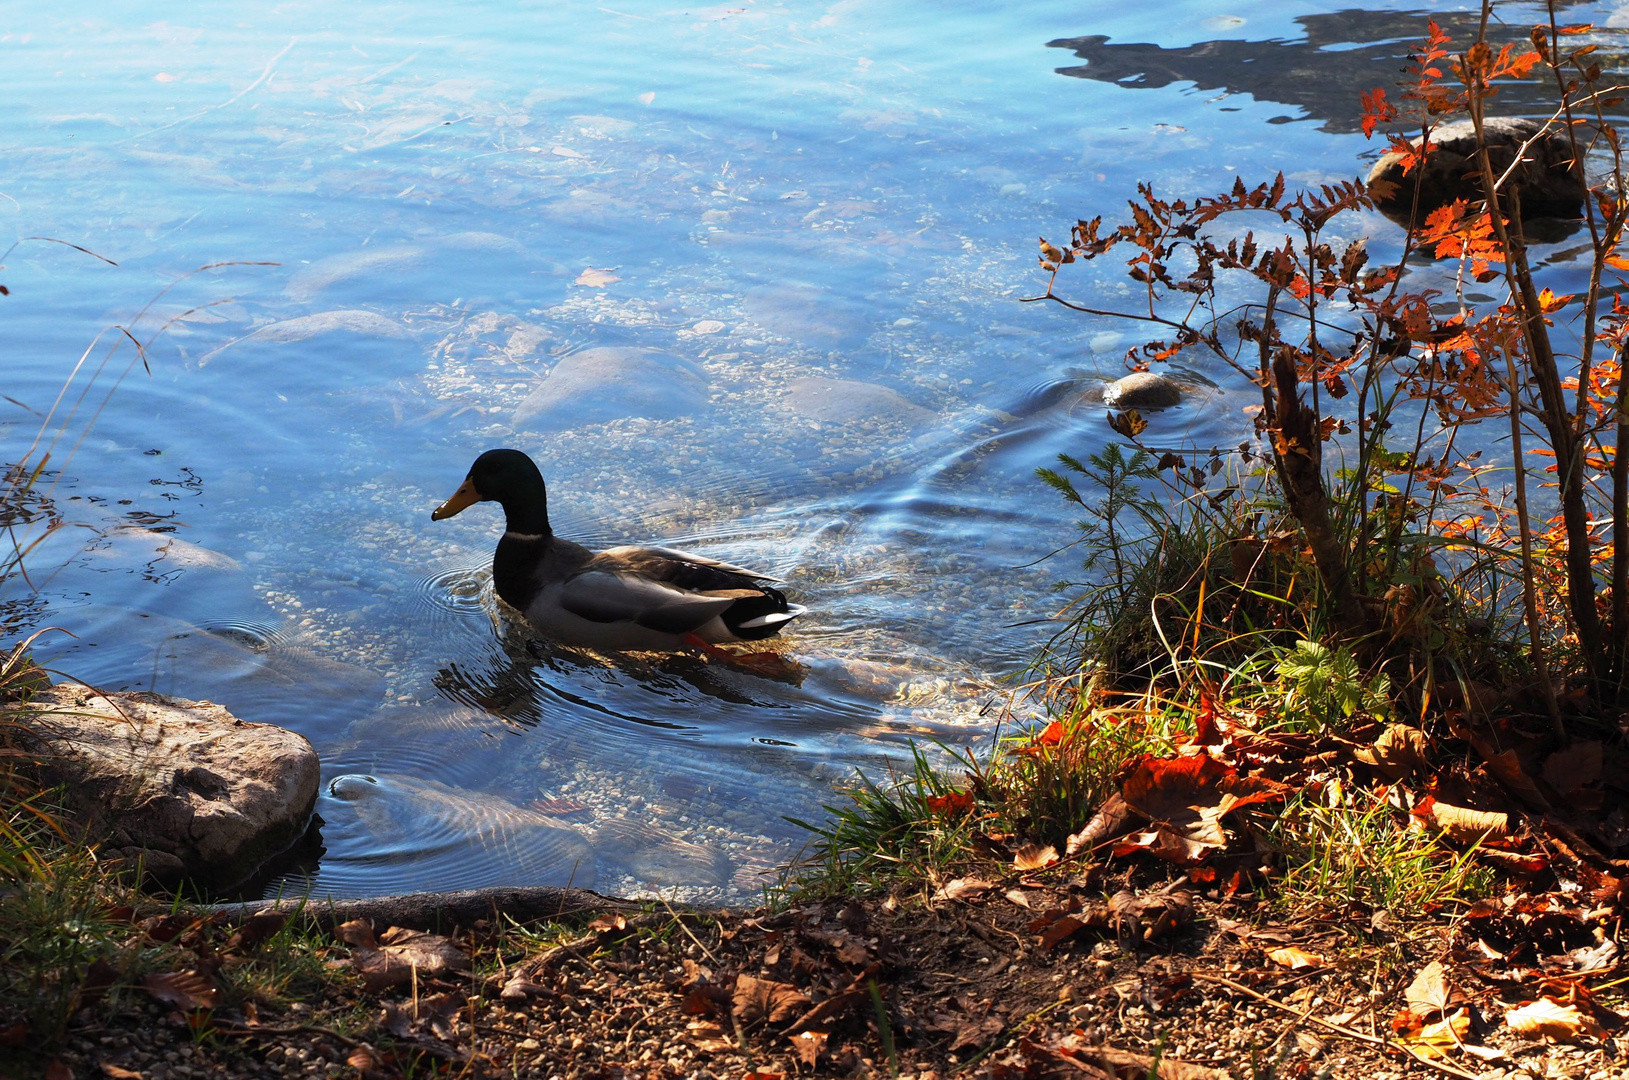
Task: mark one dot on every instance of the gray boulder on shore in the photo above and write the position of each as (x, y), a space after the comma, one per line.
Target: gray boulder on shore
(184, 787)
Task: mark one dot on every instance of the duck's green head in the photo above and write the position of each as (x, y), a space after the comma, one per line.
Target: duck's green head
(508, 477)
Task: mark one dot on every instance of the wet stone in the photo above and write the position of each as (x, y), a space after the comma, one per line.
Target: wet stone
(805, 314)
(324, 274)
(596, 386)
(365, 323)
(1545, 182)
(843, 401)
(1143, 390)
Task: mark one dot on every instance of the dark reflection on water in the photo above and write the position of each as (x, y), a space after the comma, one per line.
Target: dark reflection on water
(1338, 56)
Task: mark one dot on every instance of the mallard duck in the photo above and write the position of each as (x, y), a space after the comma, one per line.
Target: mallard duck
(623, 598)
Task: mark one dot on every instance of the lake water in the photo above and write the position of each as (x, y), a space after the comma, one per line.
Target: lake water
(826, 212)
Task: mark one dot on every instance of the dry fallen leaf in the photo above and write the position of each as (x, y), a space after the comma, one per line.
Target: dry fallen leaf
(116, 1072)
(1061, 930)
(1428, 994)
(1551, 1020)
(99, 979)
(1109, 1061)
(396, 1021)
(1034, 857)
(356, 933)
(1435, 1040)
(432, 954)
(833, 1007)
(950, 803)
(1296, 959)
(809, 1045)
(183, 989)
(380, 970)
(766, 999)
(1017, 896)
(1578, 766)
(1186, 798)
(1399, 751)
(256, 929)
(595, 278)
(1113, 818)
(1461, 824)
(974, 1032)
(964, 889)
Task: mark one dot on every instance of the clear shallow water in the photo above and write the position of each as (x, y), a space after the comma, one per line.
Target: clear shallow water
(780, 195)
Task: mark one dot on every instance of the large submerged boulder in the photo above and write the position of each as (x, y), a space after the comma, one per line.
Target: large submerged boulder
(596, 386)
(184, 787)
(1545, 181)
(846, 401)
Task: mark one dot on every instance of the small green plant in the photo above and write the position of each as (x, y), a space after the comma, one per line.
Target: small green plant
(900, 830)
(1169, 573)
(54, 922)
(1326, 685)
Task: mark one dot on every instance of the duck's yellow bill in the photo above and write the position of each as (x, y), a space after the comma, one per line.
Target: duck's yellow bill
(463, 497)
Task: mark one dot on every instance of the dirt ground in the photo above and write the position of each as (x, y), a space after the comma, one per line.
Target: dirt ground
(1018, 980)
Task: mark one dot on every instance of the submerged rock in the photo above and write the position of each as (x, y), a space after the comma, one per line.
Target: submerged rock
(1545, 181)
(655, 858)
(843, 401)
(184, 786)
(323, 274)
(1143, 390)
(424, 834)
(310, 326)
(596, 386)
(812, 316)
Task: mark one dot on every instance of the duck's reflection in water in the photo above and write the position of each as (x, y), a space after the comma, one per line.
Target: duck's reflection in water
(518, 675)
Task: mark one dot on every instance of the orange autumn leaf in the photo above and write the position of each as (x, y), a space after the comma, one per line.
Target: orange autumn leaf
(954, 802)
(1550, 302)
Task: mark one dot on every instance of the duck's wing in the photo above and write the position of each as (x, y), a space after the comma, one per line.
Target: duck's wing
(647, 559)
(605, 596)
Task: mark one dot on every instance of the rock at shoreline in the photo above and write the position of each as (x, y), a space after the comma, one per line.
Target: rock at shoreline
(1143, 390)
(1545, 181)
(184, 786)
(596, 386)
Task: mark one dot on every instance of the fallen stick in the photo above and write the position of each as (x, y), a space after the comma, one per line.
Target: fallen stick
(1350, 1033)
